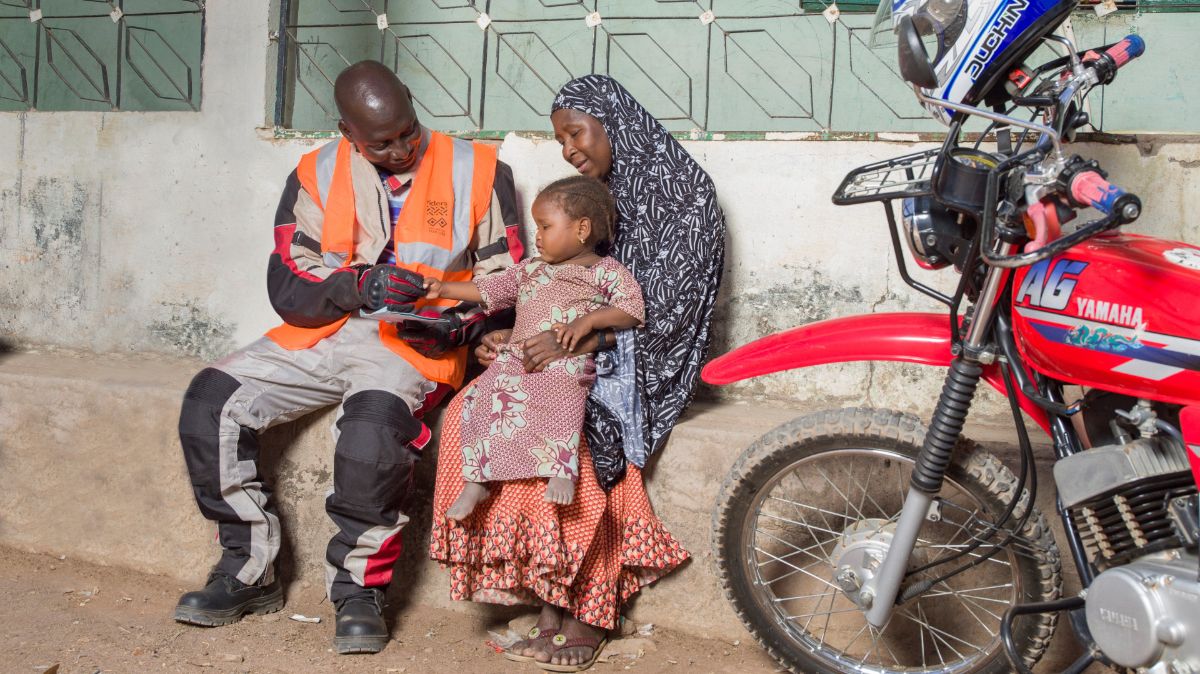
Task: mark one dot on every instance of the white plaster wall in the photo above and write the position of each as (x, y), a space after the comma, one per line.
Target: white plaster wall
(147, 231)
(139, 232)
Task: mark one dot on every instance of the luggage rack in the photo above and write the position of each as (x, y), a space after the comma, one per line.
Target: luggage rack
(897, 178)
(888, 180)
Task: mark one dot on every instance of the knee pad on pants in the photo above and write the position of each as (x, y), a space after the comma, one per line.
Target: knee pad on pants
(205, 397)
(200, 422)
(374, 459)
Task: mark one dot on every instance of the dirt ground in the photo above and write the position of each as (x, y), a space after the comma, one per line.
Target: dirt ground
(87, 618)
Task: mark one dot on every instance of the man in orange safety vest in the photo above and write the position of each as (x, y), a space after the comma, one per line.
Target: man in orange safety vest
(362, 221)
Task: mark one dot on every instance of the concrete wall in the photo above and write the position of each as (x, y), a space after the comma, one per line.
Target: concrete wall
(149, 232)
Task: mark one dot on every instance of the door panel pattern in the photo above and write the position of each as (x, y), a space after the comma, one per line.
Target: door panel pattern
(101, 55)
(704, 67)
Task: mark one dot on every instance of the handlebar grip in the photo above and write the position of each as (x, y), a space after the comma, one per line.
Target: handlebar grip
(1126, 50)
(1107, 64)
(1089, 188)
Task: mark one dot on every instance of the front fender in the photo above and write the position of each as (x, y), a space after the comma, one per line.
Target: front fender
(906, 337)
(910, 337)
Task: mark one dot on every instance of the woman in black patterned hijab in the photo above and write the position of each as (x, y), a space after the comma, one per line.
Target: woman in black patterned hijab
(670, 233)
(583, 562)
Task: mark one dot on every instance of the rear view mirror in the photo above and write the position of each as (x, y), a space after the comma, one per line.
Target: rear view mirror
(915, 67)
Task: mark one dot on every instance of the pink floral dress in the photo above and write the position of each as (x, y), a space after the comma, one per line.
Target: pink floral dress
(518, 424)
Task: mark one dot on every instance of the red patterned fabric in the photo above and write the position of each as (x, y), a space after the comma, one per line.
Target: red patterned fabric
(589, 557)
(518, 424)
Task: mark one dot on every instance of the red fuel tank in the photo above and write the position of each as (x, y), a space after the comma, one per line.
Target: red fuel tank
(1118, 312)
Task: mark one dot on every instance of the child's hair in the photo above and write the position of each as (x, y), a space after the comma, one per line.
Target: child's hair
(584, 197)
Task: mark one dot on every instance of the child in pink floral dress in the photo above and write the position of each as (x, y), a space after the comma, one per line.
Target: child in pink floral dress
(516, 424)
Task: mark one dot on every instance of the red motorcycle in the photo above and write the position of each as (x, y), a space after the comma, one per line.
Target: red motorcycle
(863, 540)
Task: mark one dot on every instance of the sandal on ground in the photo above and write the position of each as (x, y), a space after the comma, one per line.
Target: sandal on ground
(534, 633)
(560, 642)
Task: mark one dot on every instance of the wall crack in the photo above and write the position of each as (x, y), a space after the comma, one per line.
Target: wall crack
(887, 291)
(1185, 163)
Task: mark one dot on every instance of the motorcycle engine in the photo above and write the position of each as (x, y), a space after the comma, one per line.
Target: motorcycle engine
(1131, 499)
(1145, 614)
(1136, 508)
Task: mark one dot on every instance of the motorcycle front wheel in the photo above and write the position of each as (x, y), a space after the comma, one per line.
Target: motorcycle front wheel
(807, 503)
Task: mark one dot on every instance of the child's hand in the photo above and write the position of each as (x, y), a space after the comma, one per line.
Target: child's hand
(571, 334)
(433, 288)
(489, 346)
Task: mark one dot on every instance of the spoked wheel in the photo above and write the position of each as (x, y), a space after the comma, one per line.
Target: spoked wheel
(806, 516)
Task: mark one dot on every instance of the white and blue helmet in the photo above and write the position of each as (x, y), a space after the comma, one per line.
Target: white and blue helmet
(973, 44)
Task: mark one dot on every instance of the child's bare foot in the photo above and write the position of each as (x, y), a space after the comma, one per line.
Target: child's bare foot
(560, 490)
(473, 494)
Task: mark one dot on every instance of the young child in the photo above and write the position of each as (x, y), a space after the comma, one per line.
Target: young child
(517, 424)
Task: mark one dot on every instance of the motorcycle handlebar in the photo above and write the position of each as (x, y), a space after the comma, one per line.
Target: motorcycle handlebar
(1089, 188)
(1084, 188)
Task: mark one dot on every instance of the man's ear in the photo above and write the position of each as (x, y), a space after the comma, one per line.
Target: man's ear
(345, 131)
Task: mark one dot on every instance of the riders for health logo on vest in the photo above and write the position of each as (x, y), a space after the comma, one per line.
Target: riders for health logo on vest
(437, 217)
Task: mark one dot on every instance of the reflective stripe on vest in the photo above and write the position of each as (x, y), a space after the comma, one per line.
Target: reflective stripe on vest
(450, 193)
(326, 161)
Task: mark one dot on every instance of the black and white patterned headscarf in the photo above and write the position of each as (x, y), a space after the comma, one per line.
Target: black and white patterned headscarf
(670, 232)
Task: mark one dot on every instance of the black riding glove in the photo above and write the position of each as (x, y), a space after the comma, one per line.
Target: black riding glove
(432, 339)
(386, 285)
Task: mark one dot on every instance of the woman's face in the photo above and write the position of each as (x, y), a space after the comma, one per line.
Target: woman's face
(584, 143)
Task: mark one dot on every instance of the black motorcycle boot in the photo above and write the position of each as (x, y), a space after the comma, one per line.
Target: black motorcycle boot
(360, 624)
(224, 600)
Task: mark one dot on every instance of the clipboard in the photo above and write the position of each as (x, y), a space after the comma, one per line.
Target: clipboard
(388, 316)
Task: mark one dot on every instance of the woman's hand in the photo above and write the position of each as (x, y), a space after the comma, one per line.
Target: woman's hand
(543, 349)
(489, 346)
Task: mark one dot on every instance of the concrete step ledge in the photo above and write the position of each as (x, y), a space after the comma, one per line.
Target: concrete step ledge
(90, 467)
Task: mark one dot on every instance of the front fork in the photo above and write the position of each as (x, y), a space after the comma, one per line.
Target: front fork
(878, 595)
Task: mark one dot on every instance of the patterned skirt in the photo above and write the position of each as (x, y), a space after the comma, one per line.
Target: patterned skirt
(589, 557)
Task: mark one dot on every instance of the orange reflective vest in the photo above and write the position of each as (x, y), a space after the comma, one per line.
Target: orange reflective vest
(450, 194)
